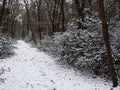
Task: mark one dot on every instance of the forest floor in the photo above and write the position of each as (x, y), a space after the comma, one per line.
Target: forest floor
(30, 69)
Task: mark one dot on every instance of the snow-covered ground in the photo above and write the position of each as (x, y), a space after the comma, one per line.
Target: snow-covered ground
(30, 69)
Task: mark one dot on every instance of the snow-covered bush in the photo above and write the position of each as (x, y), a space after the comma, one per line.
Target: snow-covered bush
(84, 49)
(115, 44)
(51, 45)
(6, 48)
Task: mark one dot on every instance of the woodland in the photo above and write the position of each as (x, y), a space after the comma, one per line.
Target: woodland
(83, 34)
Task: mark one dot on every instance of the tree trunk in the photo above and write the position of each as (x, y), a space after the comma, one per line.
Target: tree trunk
(28, 21)
(119, 8)
(63, 15)
(107, 42)
(53, 27)
(12, 29)
(28, 16)
(54, 17)
(80, 10)
(2, 12)
(89, 2)
(38, 10)
(78, 7)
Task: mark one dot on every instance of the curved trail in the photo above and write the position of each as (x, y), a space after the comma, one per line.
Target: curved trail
(30, 69)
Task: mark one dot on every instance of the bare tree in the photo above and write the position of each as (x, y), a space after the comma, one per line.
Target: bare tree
(107, 42)
(13, 6)
(2, 11)
(80, 8)
(53, 10)
(28, 14)
(38, 3)
(63, 15)
(119, 7)
(27, 7)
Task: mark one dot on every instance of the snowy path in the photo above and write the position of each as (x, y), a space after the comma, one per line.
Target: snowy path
(33, 70)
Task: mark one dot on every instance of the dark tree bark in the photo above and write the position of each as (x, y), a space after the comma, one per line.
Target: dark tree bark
(28, 15)
(80, 8)
(12, 29)
(89, 2)
(38, 10)
(2, 11)
(107, 42)
(54, 12)
(63, 15)
(119, 7)
(29, 22)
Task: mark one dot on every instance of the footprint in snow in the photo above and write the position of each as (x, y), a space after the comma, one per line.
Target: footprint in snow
(53, 83)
